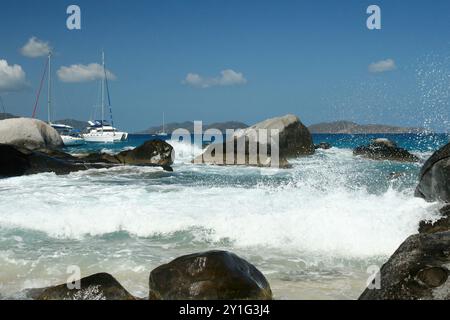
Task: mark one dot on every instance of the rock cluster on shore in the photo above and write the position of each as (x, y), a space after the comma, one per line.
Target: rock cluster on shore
(218, 275)
(420, 267)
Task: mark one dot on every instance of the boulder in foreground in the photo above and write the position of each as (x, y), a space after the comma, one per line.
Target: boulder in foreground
(384, 149)
(419, 269)
(212, 275)
(29, 133)
(99, 286)
(434, 179)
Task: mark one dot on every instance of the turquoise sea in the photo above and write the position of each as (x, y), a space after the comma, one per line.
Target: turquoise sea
(313, 230)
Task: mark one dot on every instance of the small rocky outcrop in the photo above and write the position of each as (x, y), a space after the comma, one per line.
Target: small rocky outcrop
(384, 149)
(29, 133)
(323, 145)
(293, 137)
(215, 275)
(419, 269)
(434, 178)
(99, 286)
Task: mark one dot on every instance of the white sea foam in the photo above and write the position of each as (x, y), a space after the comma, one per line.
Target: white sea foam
(317, 210)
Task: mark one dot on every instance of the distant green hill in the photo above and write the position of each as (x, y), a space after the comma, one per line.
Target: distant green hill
(189, 125)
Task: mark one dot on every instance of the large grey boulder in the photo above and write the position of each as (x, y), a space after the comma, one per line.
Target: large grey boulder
(434, 181)
(419, 269)
(212, 275)
(294, 139)
(29, 133)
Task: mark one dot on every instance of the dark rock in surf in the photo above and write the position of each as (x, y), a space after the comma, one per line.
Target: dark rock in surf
(440, 225)
(384, 149)
(323, 145)
(17, 161)
(156, 152)
(99, 286)
(417, 270)
(151, 153)
(212, 275)
(434, 178)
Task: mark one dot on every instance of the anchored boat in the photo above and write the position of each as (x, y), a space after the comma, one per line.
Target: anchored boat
(101, 130)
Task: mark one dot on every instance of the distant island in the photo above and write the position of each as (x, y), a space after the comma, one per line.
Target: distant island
(189, 125)
(348, 127)
(4, 116)
(339, 127)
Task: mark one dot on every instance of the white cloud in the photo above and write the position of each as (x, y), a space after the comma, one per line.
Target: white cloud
(227, 78)
(382, 66)
(35, 48)
(12, 77)
(83, 73)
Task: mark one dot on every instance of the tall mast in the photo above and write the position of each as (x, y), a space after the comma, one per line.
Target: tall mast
(49, 94)
(164, 129)
(103, 87)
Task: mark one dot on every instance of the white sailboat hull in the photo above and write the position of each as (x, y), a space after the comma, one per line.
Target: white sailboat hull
(71, 140)
(105, 137)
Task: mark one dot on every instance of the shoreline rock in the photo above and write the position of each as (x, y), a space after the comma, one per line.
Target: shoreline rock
(211, 275)
(99, 286)
(29, 133)
(18, 161)
(384, 149)
(417, 270)
(434, 179)
(294, 140)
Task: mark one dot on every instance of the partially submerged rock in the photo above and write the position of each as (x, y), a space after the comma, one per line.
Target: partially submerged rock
(419, 269)
(384, 149)
(434, 179)
(294, 140)
(208, 275)
(99, 286)
(323, 145)
(152, 152)
(17, 161)
(29, 133)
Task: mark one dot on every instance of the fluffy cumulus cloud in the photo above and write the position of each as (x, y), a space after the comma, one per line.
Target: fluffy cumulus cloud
(12, 77)
(35, 48)
(382, 66)
(226, 78)
(83, 73)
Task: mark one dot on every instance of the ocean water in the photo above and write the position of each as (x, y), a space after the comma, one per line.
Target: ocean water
(313, 230)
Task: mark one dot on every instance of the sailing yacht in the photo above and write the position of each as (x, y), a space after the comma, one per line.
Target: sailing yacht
(163, 133)
(101, 130)
(68, 135)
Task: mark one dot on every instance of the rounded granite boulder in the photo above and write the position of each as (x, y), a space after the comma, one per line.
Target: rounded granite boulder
(29, 133)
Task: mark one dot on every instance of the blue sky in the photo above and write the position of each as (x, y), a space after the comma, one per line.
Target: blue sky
(310, 58)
